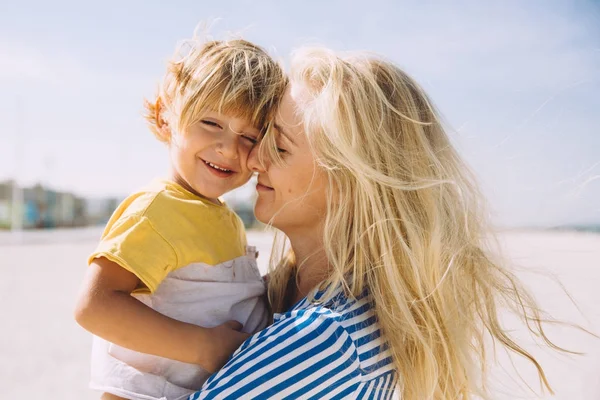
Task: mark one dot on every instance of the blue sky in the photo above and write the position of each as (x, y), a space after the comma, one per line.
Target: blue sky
(518, 81)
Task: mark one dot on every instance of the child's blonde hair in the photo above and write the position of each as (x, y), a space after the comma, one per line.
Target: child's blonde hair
(405, 220)
(233, 77)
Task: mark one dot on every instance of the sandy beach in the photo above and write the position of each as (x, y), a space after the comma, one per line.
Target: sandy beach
(44, 352)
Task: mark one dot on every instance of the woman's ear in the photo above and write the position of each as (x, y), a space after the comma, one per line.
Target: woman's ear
(334, 194)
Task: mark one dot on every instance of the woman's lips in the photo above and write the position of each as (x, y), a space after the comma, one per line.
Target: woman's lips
(263, 188)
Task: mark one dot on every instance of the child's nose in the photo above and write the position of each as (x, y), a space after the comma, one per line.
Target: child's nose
(228, 147)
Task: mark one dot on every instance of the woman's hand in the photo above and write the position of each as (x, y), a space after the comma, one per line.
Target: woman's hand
(226, 338)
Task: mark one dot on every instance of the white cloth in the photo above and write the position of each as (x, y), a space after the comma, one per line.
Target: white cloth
(199, 294)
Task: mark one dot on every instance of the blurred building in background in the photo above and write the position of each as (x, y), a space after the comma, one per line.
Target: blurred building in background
(40, 207)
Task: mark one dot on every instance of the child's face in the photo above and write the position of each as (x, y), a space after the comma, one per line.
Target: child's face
(210, 157)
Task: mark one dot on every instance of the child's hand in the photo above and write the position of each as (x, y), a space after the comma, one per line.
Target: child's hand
(227, 338)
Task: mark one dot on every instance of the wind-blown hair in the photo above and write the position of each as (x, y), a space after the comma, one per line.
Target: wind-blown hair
(406, 221)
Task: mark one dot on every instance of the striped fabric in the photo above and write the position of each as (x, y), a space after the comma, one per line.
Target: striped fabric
(331, 350)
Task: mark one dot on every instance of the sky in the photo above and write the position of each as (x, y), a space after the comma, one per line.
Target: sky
(518, 83)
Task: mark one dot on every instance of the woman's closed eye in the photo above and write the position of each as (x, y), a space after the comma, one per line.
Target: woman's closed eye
(279, 147)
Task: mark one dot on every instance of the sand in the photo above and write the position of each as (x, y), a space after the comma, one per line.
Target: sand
(44, 352)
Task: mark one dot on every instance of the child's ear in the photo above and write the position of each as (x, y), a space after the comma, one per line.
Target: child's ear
(164, 131)
(160, 122)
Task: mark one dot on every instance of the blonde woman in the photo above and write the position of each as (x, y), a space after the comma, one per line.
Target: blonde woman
(388, 285)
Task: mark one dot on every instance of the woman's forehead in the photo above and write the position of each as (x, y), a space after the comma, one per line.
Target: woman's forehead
(288, 120)
(299, 93)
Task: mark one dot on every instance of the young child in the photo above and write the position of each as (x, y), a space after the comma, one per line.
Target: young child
(172, 290)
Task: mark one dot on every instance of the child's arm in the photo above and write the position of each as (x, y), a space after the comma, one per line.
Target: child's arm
(106, 308)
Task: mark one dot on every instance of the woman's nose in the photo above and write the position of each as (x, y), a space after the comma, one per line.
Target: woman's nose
(254, 163)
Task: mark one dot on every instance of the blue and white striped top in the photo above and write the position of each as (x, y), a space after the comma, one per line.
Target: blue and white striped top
(329, 350)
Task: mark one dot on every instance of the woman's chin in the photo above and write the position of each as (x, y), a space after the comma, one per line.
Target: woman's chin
(262, 215)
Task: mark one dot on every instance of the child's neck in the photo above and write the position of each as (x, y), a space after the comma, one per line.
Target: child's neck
(183, 183)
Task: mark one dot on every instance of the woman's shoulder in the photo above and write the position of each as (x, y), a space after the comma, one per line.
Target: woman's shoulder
(311, 351)
(356, 317)
(346, 309)
(304, 323)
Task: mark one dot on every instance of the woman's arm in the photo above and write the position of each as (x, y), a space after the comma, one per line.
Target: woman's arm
(106, 308)
(304, 354)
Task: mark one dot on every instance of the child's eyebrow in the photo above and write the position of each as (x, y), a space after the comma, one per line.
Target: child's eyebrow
(282, 132)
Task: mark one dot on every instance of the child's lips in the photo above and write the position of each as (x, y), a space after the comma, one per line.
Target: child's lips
(218, 170)
(218, 166)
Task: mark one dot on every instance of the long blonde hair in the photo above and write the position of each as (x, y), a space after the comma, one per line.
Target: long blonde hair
(405, 219)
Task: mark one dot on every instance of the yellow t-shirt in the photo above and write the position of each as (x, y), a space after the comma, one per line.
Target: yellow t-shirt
(165, 227)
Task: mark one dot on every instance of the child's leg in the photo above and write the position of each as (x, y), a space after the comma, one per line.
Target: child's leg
(108, 396)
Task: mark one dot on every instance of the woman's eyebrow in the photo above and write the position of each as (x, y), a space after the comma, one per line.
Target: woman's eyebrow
(282, 132)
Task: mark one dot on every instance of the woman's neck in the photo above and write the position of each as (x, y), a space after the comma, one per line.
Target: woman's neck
(311, 261)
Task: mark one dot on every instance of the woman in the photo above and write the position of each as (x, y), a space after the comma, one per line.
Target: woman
(388, 283)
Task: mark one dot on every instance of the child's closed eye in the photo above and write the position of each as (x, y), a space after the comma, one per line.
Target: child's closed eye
(249, 138)
(211, 123)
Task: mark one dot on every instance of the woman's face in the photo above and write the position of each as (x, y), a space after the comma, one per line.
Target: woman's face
(292, 196)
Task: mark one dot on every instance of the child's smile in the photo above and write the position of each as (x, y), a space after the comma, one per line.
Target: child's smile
(211, 156)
